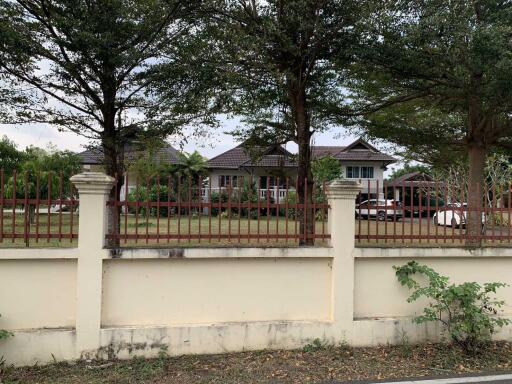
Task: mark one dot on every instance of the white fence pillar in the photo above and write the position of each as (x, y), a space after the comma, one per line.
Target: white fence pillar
(93, 189)
(341, 195)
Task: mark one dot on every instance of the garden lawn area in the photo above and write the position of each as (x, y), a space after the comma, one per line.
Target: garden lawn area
(184, 225)
(440, 236)
(313, 364)
(223, 226)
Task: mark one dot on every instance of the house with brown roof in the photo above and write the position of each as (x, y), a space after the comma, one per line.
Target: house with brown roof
(414, 190)
(269, 167)
(92, 159)
(274, 165)
(359, 161)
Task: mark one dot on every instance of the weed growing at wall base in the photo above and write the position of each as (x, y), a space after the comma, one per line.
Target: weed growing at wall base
(4, 334)
(468, 311)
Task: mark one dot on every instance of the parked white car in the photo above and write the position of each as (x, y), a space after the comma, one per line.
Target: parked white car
(453, 215)
(380, 209)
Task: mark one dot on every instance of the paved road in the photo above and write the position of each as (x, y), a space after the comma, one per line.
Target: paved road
(497, 379)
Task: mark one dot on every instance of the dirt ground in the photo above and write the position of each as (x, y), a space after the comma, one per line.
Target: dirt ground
(313, 364)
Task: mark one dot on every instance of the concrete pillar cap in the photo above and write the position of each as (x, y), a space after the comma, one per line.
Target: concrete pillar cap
(343, 189)
(93, 183)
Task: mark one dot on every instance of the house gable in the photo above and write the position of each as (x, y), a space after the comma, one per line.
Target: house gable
(358, 151)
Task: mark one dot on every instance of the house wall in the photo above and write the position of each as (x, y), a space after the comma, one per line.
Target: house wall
(368, 185)
(215, 173)
(94, 302)
(256, 173)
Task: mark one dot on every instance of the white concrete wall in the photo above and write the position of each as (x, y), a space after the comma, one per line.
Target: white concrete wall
(37, 293)
(194, 291)
(90, 301)
(378, 293)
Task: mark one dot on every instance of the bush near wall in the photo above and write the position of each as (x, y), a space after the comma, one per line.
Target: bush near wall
(468, 311)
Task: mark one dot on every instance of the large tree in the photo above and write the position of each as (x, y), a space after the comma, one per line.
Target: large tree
(279, 58)
(436, 78)
(97, 62)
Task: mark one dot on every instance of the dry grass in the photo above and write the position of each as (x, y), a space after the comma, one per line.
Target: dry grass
(311, 365)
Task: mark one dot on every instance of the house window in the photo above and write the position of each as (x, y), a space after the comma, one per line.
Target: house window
(353, 172)
(367, 172)
(228, 180)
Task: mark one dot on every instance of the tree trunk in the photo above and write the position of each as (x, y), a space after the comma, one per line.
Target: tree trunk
(477, 150)
(476, 191)
(113, 151)
(305, 183)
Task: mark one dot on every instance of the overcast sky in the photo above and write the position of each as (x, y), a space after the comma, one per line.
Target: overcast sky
(41, 135)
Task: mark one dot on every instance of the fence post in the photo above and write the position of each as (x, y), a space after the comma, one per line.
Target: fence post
(93, 190)
(341, 195)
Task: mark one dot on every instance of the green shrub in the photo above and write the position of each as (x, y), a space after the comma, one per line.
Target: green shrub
(467, 311)
(315, 345)
(5, 334)
(247, 193)
(294, 214)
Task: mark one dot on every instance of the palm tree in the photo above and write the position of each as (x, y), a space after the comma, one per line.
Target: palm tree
(191, 167)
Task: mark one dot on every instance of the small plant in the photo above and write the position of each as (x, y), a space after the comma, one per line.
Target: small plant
(467, 311)
(315, 345)
(5, 334)
(405, 345)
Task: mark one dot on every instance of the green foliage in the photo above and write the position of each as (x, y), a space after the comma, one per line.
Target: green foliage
(315, 345)
(148, 194)
(46, 166)
(279, 59)
(10, 156)
(191, 166)
(468, 311)
(4, 335)
(434, 79)
(410, 168)
(247, 193)
(104, 64)
(147, 167)
(326, 169)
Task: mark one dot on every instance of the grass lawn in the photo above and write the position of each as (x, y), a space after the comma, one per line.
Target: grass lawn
(418, 230)
(228, 229)
(195, 226)
(311, 365)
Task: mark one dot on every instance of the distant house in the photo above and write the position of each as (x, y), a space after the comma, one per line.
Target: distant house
(93, 159)
(270, 167)
(415, 189)
(360, 161)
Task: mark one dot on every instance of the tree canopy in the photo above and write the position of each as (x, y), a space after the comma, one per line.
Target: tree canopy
(283, 63)
(435, 78)
(326, 169)
(10, 156)
(96, 64)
